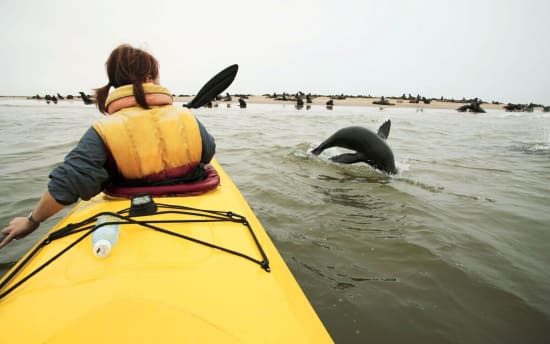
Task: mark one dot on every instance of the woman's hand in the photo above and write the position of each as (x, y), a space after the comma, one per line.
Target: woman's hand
(18, 228)
(22, 226)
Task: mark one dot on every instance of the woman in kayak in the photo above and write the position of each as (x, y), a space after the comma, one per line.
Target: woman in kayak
(143, 140)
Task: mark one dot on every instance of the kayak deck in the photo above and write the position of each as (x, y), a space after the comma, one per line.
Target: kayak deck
(216, 278)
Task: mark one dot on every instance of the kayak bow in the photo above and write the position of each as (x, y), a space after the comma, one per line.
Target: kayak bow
(185, 273)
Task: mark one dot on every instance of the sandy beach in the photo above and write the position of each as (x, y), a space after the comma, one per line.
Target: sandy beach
(352, 101)
(322, 101)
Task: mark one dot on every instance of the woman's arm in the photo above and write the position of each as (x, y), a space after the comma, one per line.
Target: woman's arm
(82, 175)
(208, 144)
(20, 227)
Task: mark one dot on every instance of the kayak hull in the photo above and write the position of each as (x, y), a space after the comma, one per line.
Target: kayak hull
(158, 287)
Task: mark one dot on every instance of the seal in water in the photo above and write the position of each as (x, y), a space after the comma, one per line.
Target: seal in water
(368, 146)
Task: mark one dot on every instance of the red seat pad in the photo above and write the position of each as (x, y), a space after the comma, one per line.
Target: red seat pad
(211, 182)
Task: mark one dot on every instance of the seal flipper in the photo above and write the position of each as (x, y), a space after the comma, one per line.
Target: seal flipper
(319, 148)
(317, 151)
(347, 158)
(384, 130)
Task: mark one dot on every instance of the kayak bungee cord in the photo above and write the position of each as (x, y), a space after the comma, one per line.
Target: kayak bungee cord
(23, 263)
(88, 225)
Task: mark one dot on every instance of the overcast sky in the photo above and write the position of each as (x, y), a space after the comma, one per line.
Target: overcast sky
(492, 49)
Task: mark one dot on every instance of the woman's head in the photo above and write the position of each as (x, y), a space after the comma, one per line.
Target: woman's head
(128, 66)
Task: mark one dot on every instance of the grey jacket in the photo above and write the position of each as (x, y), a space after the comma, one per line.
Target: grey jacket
(83, 173)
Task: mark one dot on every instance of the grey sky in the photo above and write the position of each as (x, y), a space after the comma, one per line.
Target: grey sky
(495, 50)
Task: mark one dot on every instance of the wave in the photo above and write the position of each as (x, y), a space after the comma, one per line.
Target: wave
(536, 147)
(19, 151)
(527, 115)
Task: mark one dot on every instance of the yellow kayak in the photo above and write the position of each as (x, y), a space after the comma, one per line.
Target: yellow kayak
(201, 269)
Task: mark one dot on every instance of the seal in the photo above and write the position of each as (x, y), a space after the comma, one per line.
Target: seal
(474, 106)
(369, 147)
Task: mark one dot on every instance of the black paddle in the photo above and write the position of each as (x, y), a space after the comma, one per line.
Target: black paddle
(213, 87)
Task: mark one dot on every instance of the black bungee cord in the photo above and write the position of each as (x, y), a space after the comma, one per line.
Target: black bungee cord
(88, 226)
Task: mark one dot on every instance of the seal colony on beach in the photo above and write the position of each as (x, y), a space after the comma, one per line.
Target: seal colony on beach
(329, 101)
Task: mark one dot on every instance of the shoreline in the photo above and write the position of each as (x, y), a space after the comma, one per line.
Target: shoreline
(353, 101)
(359, 101)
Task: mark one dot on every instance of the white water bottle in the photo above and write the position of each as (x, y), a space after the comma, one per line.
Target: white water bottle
(106, 236)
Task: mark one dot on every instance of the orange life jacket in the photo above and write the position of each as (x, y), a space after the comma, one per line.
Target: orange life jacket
(160, 143)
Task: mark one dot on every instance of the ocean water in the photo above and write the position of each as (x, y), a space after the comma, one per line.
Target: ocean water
(455, 248)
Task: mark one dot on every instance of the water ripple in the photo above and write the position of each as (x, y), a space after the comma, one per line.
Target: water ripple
(453, 248)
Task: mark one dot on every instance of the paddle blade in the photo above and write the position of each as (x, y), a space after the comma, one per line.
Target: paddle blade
(214, 86)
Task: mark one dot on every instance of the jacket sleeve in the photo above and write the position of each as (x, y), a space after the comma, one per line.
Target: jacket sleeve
(208, 144)
(82, 174)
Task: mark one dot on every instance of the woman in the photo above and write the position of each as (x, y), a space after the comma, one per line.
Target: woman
(143, 140)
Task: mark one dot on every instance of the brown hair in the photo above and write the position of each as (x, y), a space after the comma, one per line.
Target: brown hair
(127, 66)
